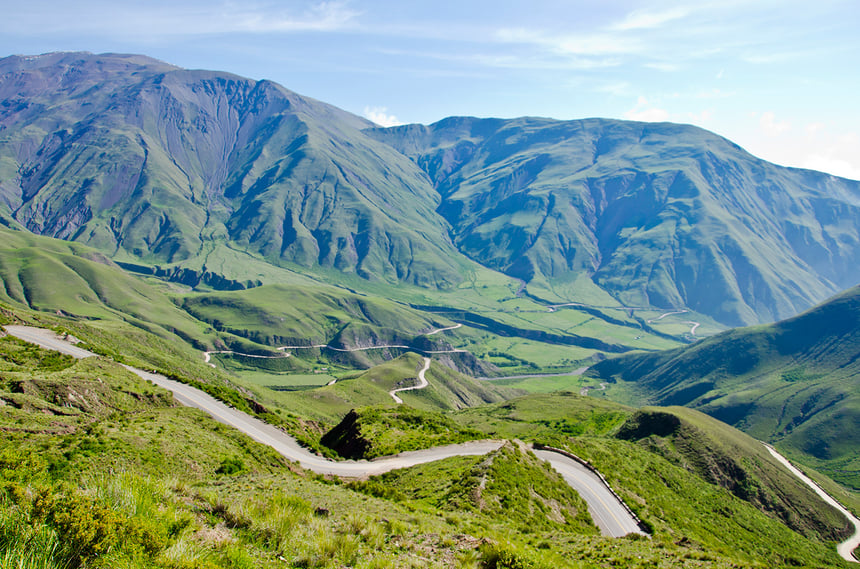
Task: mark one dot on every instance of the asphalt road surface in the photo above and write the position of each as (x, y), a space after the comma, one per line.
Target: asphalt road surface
(847, 547)
(609, 515)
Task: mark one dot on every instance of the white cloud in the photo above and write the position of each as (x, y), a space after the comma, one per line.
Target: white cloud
(586, 44)
(642, 19)
(171, 18)
(621, 88)
(323, 16)
(832, 165)
(380, 116)
(668, 67)
(826, 146)
(771, 126)
(644, 112)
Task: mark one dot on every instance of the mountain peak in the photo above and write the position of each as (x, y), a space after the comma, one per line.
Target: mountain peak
(154, 163)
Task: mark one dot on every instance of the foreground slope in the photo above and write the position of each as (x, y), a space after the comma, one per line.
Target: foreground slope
(658, 214)
(514, 483)
(794, 383)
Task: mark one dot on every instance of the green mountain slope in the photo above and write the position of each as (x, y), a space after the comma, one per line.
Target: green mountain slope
(50, 275)
(709, 451)
(213, 177)
(150, 162)
(280, 315)
(658, 214)
(794, 383)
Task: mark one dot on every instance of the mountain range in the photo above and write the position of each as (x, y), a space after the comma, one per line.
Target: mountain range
(166, 168)
(304, 265)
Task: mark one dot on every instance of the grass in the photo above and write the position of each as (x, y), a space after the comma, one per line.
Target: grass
(546, 417)
(280, 315)
(187, 491)
(509, 489)
(794, 383)
(372, 432)
(447, 390)
(560, 382)
(727, 467)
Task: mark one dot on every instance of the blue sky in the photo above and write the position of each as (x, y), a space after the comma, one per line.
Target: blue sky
(780, 78)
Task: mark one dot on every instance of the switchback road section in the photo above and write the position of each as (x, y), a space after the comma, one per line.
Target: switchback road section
(604, 507)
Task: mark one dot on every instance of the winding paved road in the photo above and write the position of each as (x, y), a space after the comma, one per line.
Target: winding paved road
(605, 509)
(608, 514)
(847, 547)
(422, 383)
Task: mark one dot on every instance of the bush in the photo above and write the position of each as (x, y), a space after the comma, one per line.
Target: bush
(505, 556)
(86, 528)
(230, 466)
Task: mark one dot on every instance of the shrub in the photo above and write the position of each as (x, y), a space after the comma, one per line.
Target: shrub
(230, 466)
(86, 528)
(506, 556)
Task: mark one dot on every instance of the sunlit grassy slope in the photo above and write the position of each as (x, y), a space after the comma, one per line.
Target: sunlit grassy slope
(794, 383)
(165, 486)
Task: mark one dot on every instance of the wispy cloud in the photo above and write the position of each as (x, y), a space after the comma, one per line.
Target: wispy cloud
(663, 66)
(585, 44)
(620, 88)
(323, 16)
(517, 60)
(643, 111)
(163, 19)
(771, 126)
(644, 19)
(380, 116)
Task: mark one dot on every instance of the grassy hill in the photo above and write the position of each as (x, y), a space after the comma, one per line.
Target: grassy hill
(100, 469)
(282, 315)
(677, 451)
(793, 383)
(54, 276)
(448, 390)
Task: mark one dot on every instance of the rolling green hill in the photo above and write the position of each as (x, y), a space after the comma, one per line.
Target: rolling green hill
(101, 469)
(448, 390)
(793, 383)
(54, 276)
(658, 215)
(707, 449)
(281, 315)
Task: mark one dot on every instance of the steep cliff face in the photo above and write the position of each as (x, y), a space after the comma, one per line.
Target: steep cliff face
(149, 161)
(660, 214)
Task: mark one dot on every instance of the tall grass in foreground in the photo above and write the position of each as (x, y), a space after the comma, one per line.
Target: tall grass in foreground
(24, 545)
